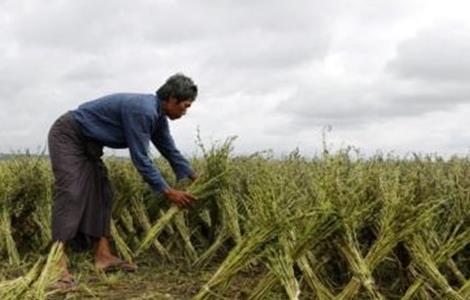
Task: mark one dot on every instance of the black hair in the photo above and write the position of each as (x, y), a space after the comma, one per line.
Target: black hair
(178, 86)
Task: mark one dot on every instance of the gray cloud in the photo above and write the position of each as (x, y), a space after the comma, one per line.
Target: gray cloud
(429, 73)
(436, 55)
(268, 71)
(357, 106)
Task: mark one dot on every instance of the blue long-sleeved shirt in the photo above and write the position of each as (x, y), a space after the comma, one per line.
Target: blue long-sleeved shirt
(132, 121)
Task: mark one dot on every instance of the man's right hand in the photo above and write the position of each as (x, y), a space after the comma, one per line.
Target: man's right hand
(180, 198)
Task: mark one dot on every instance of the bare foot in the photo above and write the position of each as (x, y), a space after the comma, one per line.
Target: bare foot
(106, 261)
(66, 282)
(114, 263)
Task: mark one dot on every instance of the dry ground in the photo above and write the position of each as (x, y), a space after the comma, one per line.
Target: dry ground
(153, 280)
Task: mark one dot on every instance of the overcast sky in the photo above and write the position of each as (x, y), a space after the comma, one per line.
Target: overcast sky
(384, 75)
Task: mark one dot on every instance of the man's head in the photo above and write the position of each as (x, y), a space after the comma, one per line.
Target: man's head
(177, 95)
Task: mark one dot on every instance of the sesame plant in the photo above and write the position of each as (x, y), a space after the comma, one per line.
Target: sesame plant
(337, 225)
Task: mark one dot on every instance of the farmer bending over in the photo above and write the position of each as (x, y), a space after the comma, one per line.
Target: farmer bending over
(83, 196)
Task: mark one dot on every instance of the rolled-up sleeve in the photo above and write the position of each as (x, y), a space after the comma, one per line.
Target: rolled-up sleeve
(137, 130)
(165, 144)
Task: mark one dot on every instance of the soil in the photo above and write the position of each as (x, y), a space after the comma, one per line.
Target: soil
(155, 281)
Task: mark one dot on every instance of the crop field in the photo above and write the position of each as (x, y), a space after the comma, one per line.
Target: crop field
(338, 225)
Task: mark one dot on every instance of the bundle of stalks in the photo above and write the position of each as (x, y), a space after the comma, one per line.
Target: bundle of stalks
(362, 274)
(37, 282)
(13, 289)
(425, 263)
(346, 186)
(210, 224)
(42, 218)
(428, 263)
(127, 222)
(230, 215)
(362, 267)
(281, 263)
(185, 233)
(206, 189)
(8, 241)
(205, 258)
(318, 227)
(244, 252)
(124, 178)
(447, 234)
(268, 204)
(24, 195)
(50, 273)
(396, 223)
(201, 189)
(121, 245)
(229, 227)
(311, 227)
(142, 217)
(313, 279)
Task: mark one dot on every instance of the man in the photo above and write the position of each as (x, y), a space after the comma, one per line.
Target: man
(82, 199)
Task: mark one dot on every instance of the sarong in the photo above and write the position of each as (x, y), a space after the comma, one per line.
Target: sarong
(82, 191)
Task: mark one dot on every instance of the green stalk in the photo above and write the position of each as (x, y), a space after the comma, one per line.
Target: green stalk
(237, 258)
(50, 273)
(199, 189)
(153, 233)
(5, 226)
(15, 288)
(142, 217)
(121, 245)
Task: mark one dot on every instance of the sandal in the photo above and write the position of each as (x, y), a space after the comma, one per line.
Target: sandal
(120, 265)
(65, 284)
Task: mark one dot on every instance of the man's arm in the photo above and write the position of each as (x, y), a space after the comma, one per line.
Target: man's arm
(137, 128)
(165, 144)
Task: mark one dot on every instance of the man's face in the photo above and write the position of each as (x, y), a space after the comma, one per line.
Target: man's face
(174, 109)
